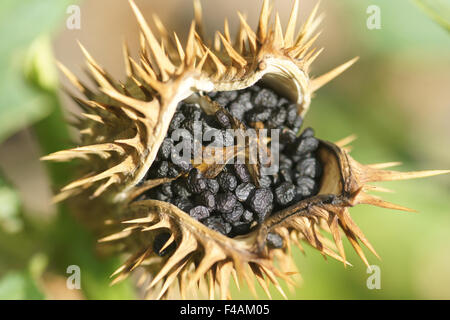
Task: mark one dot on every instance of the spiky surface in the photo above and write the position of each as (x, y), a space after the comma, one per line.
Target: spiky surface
(167, 73)
(124, 124)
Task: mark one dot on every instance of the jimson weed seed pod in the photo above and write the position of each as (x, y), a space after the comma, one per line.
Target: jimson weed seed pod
(169, 166)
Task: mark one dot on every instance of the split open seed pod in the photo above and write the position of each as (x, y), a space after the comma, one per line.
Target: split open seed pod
(124, 123)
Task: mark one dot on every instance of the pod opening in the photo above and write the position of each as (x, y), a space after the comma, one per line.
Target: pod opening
(202, 168)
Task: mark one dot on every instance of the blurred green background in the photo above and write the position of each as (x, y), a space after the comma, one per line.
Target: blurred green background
(396, 99)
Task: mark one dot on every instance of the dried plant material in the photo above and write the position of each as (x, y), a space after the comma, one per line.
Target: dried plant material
(124, 125)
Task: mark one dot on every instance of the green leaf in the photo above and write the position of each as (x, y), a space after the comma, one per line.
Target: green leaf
(39, 64)
(17, 286)
(22, 22)
(404, 30)
(9, 208)
(438, 10)
(20, 105)
(74, 245)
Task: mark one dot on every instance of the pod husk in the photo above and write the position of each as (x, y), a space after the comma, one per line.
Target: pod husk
(122, 127)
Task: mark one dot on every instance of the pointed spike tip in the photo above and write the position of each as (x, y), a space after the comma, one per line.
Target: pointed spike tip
(319, 82)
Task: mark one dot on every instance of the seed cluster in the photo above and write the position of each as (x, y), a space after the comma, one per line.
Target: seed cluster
(260, 105)
(231, 203)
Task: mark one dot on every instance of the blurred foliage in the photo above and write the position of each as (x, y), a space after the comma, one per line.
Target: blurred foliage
(21, 23)
(404, 28)
(19, 285)
(413, 246)
(438, 10)
(28, 86)
(9, 208)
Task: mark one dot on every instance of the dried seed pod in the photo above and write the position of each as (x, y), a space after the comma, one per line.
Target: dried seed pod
(124, 131)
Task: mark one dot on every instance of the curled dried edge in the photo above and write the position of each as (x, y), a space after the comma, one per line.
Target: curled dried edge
(122, 128)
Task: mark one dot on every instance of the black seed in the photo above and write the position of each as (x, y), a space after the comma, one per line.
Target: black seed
(308, 132)
(160, 196)
(199, 212)
(228, 138)
(223, 119)
(179, 188)
(160, 241)
(212, 94)
(277, 118)
(266, 98)
(227, 181)
(282, 101)
(180, 162)
(225, 202)
(228, 227)
(258, 114)
(245, 98)
(194, 175)
(305, 187)
(286, 175)
(172, 172)
(285, 193)
(292, 112)
(213, 185)
(242, 172)
(285, 162)
(297, 123)
(265, 181)
(222, 101)
(274, 240)
(200, 185)
(207, 199)
(195, 182)
(247, 216)
(209, 122)
(161, 169)
(306, 145)
(166, 189)
(255, 88)
(293, 119)
(177, 119)
(296, 158)
(220, 138)
(183, 203)
(217, 223)
(243, 190)
(287, 136)
(192, 112)
(276, 179)
(234, 215)
(225, 97)
(229, 95)
(240, 228)
(309, 167)
(187, 137)
(165, 150)
(237, 110)
(261, 202)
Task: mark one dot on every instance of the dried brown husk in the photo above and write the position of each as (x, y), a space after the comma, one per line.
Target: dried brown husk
(122, 127)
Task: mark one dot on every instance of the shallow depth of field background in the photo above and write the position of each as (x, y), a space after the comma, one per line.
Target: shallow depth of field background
(396, 99)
